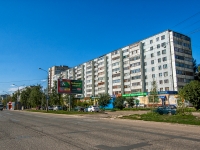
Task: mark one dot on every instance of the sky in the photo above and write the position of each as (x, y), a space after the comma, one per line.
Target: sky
(44, 33)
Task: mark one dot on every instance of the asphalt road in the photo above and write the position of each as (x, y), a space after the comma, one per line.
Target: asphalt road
(39, 131)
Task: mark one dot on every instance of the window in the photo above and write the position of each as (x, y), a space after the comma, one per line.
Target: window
(160, 74)
(165, 74)
(152, 55)
(164, 66)
(161, 89)
(157, 39)
(164, 51)
(167, 89)
(152, 61)
(159, 67)
(163, 37)
(161, 81)
(152, 69)
(164, 58)
(151, 48)
(153, 76)
(158, 53)
(151, 41)
(166, 81)
(158, 46)
(163, 44)
(159, 60)
(145, 63)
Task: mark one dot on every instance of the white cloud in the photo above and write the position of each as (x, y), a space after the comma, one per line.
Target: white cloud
(15, 89)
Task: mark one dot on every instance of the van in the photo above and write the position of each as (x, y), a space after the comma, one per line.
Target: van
(1, 107)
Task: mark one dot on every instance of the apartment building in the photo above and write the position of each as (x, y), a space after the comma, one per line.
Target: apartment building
(165, 58)
(53, 74)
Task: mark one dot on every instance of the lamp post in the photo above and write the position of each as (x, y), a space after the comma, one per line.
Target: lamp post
(47, 88)
(17, 94)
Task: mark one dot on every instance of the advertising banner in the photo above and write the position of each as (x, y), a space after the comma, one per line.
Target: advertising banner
(69, 86)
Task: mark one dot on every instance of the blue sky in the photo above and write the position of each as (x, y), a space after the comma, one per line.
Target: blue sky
(43, 33)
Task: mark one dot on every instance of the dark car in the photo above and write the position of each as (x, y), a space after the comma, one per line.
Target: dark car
(79, 108)
(1, 107)
(165, 110)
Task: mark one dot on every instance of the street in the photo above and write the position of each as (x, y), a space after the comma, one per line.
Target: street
(21, 130)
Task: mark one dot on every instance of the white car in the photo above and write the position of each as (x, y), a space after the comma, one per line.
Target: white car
(93, 109)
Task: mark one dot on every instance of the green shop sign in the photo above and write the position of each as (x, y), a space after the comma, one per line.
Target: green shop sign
(134, 94)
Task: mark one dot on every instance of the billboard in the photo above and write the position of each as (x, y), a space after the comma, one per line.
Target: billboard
(69, 86)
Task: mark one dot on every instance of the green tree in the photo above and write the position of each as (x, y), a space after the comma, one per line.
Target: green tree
(153, 94)
(24, 97)
(104, 100)
(55, 98)
(35, 98)
(191, 92)
(130, 101)
(119, 102)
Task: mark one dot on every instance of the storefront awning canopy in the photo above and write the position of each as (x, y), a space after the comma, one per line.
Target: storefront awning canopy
(162, 97)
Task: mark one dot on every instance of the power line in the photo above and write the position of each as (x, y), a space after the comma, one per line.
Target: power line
(194, 31)
(186, 19)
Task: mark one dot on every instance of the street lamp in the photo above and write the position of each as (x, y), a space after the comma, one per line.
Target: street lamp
(47, 88)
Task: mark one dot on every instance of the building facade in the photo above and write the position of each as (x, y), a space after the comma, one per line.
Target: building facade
(165, 58)
(53, 72)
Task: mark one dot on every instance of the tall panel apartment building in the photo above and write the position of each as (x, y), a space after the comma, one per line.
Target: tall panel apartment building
(165, 58)
(53, 72)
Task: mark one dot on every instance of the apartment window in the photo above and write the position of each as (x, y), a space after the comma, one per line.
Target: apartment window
(161, 81)
(151, 41)
(145, 70)
(164, 58)
(163, 37)
(160, 74)
(157, 39)
(164, 66)
(146, 83)
(167, 89)
(152, 61)
(158, 46)
(164, 51)
(153, 76)
(165, 74)
(151, 48)
(144, 56)
(152, 55)
(145, 63)
(158, 53)
(159, 67)
(159, 60)
(163, 44)
(161, 89)
(152, 69)
(166, 81)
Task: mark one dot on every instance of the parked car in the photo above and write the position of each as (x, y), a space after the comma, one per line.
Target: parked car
(140, 105)
(165, 110)
(1, 107)
(93, 109)
(57, 108)
(79, 108)
(50, 107)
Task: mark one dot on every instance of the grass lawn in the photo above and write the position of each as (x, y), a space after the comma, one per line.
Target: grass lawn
(179, 118)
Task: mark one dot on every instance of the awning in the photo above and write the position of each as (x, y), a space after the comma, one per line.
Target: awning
(162, 97)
